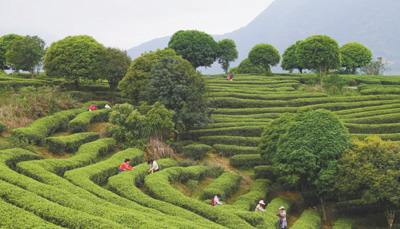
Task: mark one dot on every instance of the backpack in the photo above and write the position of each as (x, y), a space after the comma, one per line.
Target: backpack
(212, 202)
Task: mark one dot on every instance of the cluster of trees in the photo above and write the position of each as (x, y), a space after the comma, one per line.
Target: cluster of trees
(312, 151)
(21, 53)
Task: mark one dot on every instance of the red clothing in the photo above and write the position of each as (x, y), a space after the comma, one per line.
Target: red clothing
(125, 166)
(93, 107)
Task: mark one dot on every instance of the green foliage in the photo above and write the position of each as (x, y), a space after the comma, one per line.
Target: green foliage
(344, 224)
(276, 203)
(377, 67)
(246, 160)
(233, 70)
(354, 55)
(309, 219)
(290, 59)
(319, 52)
(5, 43)
(70, 143)
(115, 64)
(82, 121)
(134, 84)
(135, 129)
(197, 151)
(199, 48)
(226, 185)
(3, 127)
(370, 170)
(74, 58)
(230, 140)
(175, 84)
(249, 131)
(230, 150)
(258, 191)
(227, 53)
(26, 53)
(264, 172)
(265, 55)
(333, 83)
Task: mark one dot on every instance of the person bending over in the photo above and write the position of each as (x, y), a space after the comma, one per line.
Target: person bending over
(125, 166)
(153, 166)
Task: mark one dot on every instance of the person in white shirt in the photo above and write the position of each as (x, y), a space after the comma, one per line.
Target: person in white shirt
(107, 106)
(215, 201)
(153, 166)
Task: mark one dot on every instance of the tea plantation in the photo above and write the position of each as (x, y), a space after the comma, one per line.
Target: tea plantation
(85, 190)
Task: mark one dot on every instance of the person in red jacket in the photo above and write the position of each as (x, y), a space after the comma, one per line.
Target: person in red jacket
(93, 107)
(125, 166)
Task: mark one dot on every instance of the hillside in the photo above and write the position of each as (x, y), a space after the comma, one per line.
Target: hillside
(373, 23)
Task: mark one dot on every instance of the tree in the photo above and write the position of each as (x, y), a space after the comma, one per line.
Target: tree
(319, 52)
(134, 84)
(5, 42)
(74, 58)
(199, 48)
(354, 55)
(227, 53)
(308, 146)
(377, 67)
(247, 67)
(115, 65)
(25, 53)
(176, 84)
(265, 55)
(370, 169)
(290, 59)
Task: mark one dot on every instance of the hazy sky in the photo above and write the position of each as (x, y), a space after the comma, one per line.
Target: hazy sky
(124, 23)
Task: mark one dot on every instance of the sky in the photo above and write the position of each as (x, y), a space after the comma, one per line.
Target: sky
(124, 23)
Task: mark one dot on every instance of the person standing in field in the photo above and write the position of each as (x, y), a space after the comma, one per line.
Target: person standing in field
(125, 166)
(282, 215)
(153, 166)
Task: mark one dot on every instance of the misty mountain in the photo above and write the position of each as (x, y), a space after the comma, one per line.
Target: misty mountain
(373, 23)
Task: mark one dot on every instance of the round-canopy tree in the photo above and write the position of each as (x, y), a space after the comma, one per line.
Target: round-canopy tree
(115, 65)
(227, 53)
(355, 55)
(319, 52)
(5, 42)
(175, 83)
(199, 48)
(290, 59)
(134, 84)
(265, 55)
(247, 67)
(74, 58)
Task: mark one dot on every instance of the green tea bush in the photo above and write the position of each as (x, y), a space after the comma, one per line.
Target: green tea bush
(81, 96)
(82, 121)
(3, 127)
(258, 191)
(247, 111)
(197, 151)
(231, 150)
(246, 160)
(70, 143)
(371, 113)
(264, 172)
(352, 112)
(344, 224)
(270, 96)
(246, 131)
(358, 205)
(226, 185)
(377, 119)
(392, 137)
(178, 146)
(276, 203)
(373, 128)
(230, 140)
(234, 123)
(309, 219)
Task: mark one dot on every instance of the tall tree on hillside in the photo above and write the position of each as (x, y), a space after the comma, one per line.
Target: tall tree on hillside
(199, 48)
(290, 58)
(227, 53)
(5, 42)
(115, 65)
(25, 53)
(134, 83)
(74, 58)
(354, 55)
(319, 52)
(265, 55)
(370, 170)
(247, 67)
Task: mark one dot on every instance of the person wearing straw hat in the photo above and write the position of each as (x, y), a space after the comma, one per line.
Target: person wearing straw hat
(259, 207)
(282, 215)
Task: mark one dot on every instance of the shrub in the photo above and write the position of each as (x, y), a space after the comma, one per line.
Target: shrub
(264, 172)
(71, 143)
(308, 219)
(82, 121)
(276, 203)
(344, 224)
(246, 160)
(3, 127)
(230, 140)
(226, 185)
(197, 151)
(178, 146)
(81, 96)
(247, 131)
(377, 119)
(258, 191)
(231, 150)
(373, 128)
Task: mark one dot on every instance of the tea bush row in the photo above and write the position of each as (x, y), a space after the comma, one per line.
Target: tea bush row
(264, 172)
(309, 219)
(370, 113)
(258, 191)
(70, 143)
(344, 224)
(361, 110)
(246, 160)
(373, 128)
(270, 96)
(392, 137)
(236, 123)
(230, 140)
(197, 151)
(81, 122)
(231, 150)
(226, 185)
(3, 127)
(376, 119)
(246, 131)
